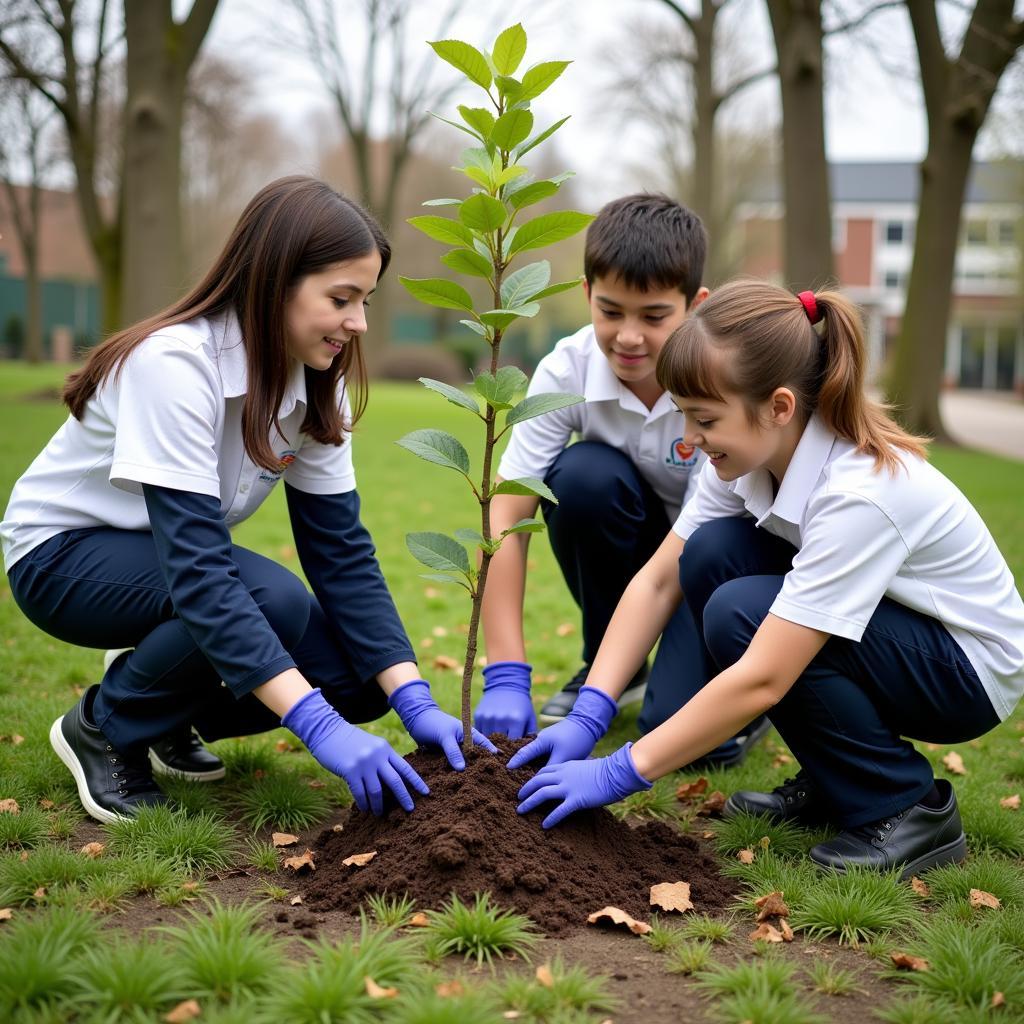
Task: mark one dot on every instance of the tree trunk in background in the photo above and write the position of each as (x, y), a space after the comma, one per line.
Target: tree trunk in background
(33, 350)
(796, 26)
(957, 95)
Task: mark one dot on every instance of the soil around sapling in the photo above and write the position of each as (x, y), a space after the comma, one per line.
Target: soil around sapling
(467, 838)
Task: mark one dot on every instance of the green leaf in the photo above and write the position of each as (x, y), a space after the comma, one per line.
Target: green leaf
(438, 551)
(510, 173)
(467, 59)
(499, 390)
(519, 286)
(512, 128)
(533, 193)
(537, 405)
(512, 378)
(469, 536)
(501, 318)
(468, 261)
(479, 119)
(483, 213)
(454, 124)
(509, 87)
(475, 156)
(454, 395)
(443, 229)
(554, 289)
(526, 485)
(438, 577)
(539, 138)
(474, 326)
(437, 446)
(436, 291)
(441, 202)
(548, 228)
(525, 526)
(509, 49)
(540, 77)
(482, 178)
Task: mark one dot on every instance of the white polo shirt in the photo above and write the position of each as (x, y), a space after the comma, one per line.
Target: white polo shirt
(652, 438)
(173, 418)
(862, 535)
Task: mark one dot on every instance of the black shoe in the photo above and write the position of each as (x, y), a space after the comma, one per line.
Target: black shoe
(744, 743)
(795, 800)
(182, 755)
(111, 785)
(915, 839)
(562, 703)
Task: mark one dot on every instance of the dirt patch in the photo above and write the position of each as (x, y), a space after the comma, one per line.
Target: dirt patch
(466, 837)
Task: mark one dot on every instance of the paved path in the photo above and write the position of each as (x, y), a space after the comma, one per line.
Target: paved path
(991, 421)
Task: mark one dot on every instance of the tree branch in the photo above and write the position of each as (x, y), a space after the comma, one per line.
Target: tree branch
(684, 15)
(934, 65)
(195, 27)
(743, 83)
(866, 15)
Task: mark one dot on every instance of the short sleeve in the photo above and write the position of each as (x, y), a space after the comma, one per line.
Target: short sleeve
(168, 405)
(706, 499)
(849, 555)
(325, 468)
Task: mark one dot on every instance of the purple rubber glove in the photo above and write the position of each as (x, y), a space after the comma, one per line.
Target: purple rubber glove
(505, 706)
(581, 784)
(427, 723)
(575, 736)
(367, 763)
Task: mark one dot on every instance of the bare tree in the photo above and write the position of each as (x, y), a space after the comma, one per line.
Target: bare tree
(958, 89)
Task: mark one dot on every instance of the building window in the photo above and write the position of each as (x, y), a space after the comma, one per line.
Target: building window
(1007, 232)
(892, 279)
(977, 232)
(894, 232)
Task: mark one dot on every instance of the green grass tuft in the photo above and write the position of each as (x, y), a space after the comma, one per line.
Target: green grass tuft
(954, 882)
(261, 855)
(284, 801)
(832, 980)
(759, 991)
(746, 831)
(480, 931)
(200, 842)
(24, 831)
(707, 929)
(49, 867)
(390, 911)
(572, 991)
(658, 803)
(662, 936)
(991, 829)
(689, 957)
(244, 757)
(771, 873)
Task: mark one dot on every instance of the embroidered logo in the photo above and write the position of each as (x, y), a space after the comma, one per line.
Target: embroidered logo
(287, 458)
(682, 454)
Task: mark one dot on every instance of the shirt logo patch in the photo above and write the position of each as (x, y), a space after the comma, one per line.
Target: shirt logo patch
(681, 454)
(287, 458)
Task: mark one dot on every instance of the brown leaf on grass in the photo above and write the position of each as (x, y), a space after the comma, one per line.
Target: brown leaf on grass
(439, 631)
(375, 991)
(906, 962)
(283, 746)
(787, 932)
(767, 933)
(337, 828)
(771, 905)
(427, 642)
(17, 740)
(47, 805)
(745, 856)
(93, 850)
(295, 901)
(431, 592)
(511, 1015)
(451, 989)
(692, 790)
(443, 661)
(6, 913)
(707, 834)
(259, 773)
(9, 806)
(39, 894)
(671, 896)
(980, 898)
(565, 629)
(185, 1011)
(23, 856)
(359, 859)
(921, 888)
(419, 920)
(1010, 803)
(933, 746)
(712, 806)
(190, 886)
(316, 784)
(998, 999)
(780, 760)
(954, 763)
(283, 839)
(301, 862)
(544, 976)
(620, 917)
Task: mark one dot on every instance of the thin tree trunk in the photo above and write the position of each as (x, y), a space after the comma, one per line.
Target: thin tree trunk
(33, 350)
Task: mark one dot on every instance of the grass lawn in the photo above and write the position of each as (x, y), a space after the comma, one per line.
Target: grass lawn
(78, 932)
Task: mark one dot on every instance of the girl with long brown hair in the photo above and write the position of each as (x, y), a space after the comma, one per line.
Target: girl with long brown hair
(118, 534)
(841, 584)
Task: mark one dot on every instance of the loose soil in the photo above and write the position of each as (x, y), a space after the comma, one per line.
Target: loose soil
(466, 837)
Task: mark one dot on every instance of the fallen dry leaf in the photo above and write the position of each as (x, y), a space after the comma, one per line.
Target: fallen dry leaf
(47, 805)
(764, 842)
(23, 856)
(6, 913)
(933, 746)
(450, 989)
(443, 661)
(921, 888)
(375, 991)
(93, 850)
(692, 790)
(954, 763)
(771, 905)
(712, 806)
(906, 962)
(544, 976)
(190, 886)
(511, 1015)
(337, 828)
(439, 631)
(427, 642)
(672, 896)
(745, 856)
(185, 1011)
(1010, 803)
(359, 859)
(780, 760)
(17, 740)
(431, 592)
(419, 920)
(980, 898)
(295, 901)
(998, 999)
(316, 784)
(707, 834)
(9, 806)
(616, 916)
(283, 839)
(787, 932)
(301, 862)
(767, 933)
(565, 629)
(283, 746)
(39, 894)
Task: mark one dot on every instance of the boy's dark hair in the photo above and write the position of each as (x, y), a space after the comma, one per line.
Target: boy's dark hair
(648, 241)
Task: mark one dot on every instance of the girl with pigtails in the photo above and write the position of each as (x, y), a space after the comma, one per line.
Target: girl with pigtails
(841, 584)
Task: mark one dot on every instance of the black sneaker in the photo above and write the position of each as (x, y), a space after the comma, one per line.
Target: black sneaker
(795, 800)
(183, 756)
(562, 703)
(742, 745)
(914, 840)
(111, 785)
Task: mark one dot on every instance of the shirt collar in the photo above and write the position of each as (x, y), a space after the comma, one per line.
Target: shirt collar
(601, 385)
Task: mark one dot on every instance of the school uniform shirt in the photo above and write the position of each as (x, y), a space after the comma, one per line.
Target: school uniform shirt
(611, 413)
(863, 534)
(159, 447)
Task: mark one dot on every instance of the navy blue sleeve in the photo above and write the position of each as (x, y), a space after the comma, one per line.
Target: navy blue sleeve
(193, 547)
(339, 560)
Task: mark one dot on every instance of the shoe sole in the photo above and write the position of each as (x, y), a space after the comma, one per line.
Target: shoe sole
(631, 696)
(161, 768)
(955, 851)
(68, 756)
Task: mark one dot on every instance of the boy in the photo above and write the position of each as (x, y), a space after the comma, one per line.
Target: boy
(620, 486)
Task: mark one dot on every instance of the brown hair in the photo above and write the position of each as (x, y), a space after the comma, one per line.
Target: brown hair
(648, 241)
(293, 227)
(771, 344)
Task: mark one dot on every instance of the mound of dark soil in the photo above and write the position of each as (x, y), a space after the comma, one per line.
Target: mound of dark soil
(466, 837)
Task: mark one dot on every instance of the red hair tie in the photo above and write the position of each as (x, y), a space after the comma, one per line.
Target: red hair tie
(810, 305)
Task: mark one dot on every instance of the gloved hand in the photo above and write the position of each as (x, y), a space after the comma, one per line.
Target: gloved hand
(580, 784)
(505, 706)
(366, 762)
(575, 736)
(427, 723)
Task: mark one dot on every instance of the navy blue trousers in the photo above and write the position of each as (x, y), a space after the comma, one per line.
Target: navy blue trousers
(846, 717)
(606, 525)
(104, 588)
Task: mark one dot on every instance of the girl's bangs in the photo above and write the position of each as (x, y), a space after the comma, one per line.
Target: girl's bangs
(688, 366)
